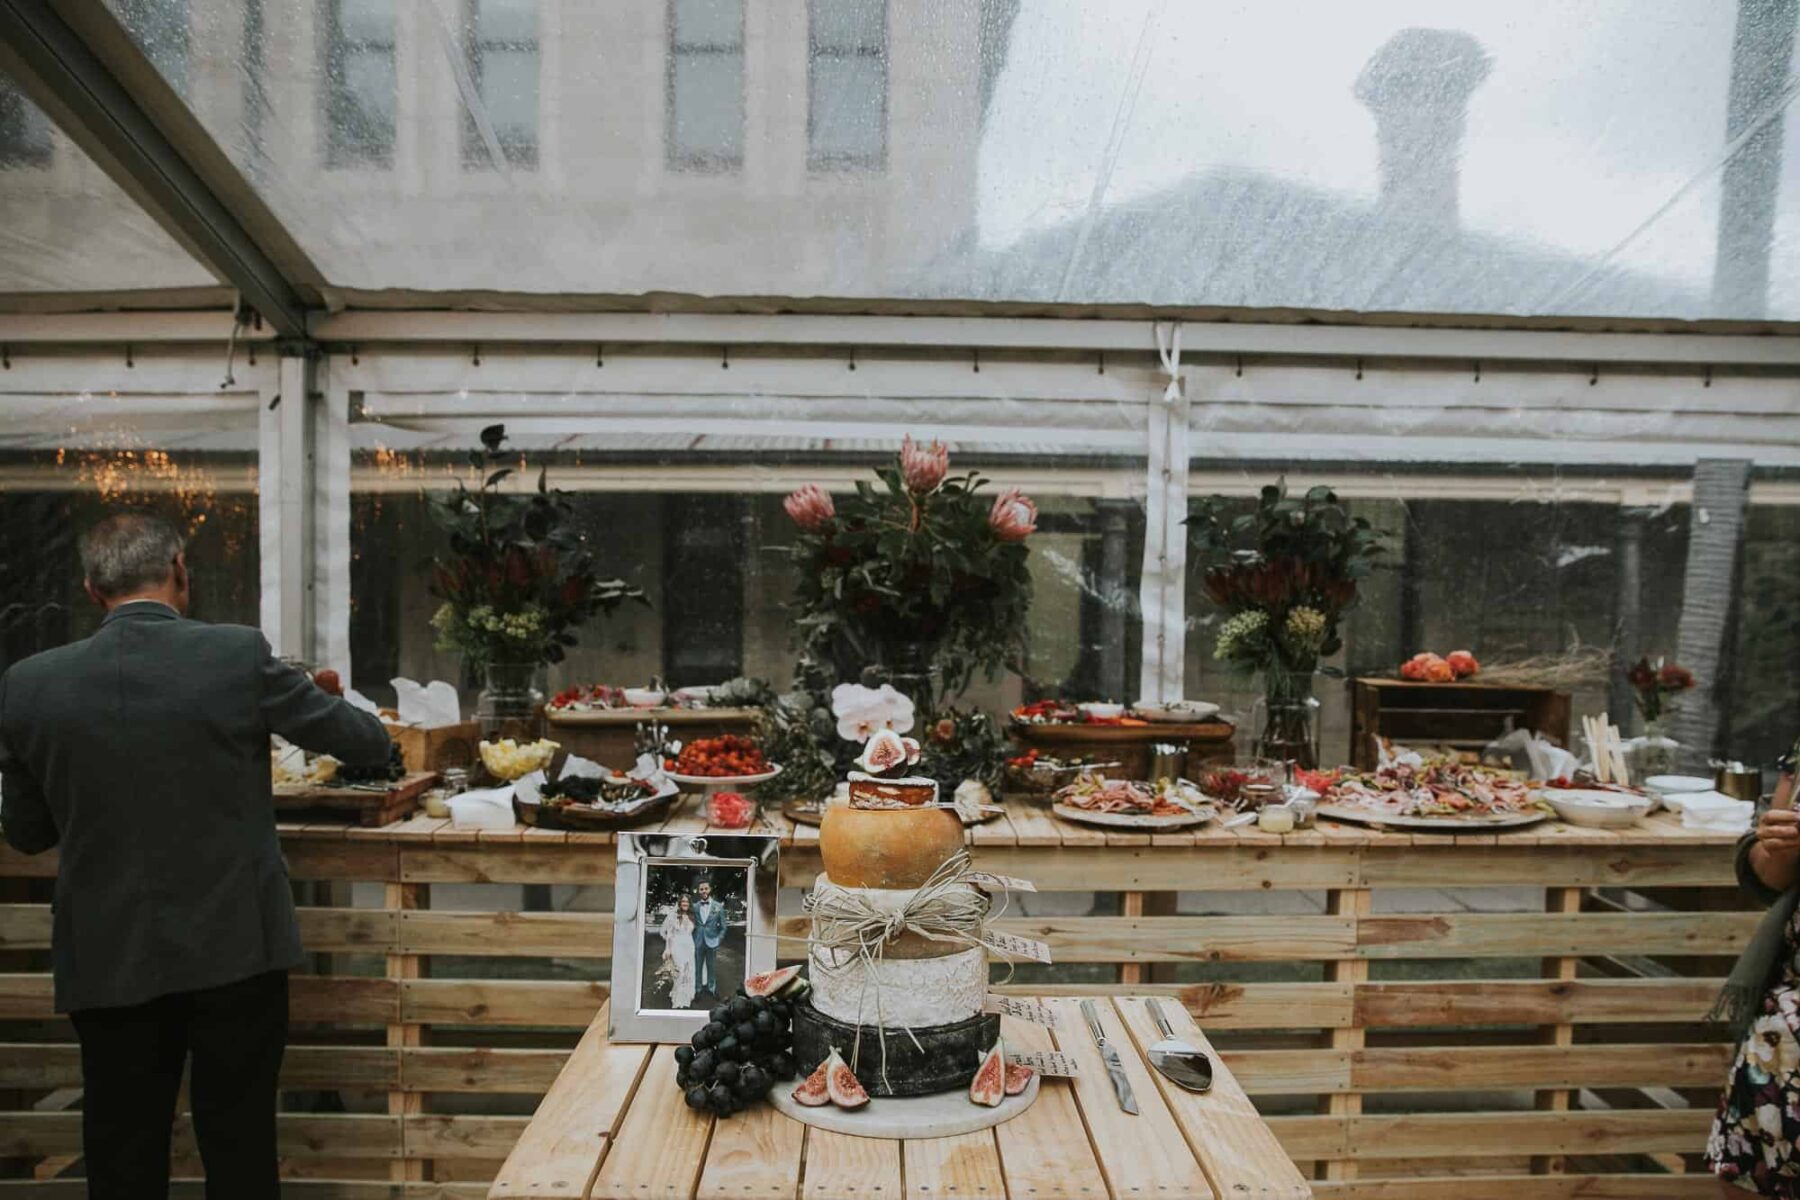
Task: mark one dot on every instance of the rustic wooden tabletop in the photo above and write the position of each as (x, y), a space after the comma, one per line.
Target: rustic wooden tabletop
(614, 1125)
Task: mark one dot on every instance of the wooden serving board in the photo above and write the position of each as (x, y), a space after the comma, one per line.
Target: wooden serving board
(1342, 812)
(369, 808)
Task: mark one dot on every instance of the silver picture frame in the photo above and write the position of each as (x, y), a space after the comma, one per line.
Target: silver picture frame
(744, 868)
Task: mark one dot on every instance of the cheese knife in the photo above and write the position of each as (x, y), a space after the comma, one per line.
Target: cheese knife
(1176, 1059)
(1115, 1066)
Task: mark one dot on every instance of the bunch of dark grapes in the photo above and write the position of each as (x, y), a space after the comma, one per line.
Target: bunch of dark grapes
(745, 1047)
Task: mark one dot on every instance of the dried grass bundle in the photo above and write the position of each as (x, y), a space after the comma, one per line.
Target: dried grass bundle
(1575, 667)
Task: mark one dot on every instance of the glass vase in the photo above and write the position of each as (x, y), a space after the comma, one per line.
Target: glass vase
(511, 703)
(1657, 752)
(1286, 718)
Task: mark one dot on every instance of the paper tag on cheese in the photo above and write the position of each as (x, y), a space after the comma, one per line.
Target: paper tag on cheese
(1046, 1062)
(989, 882)
(1015, 947)
(1025, 1010)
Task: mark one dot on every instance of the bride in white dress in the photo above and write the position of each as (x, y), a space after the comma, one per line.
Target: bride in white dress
(678, 952)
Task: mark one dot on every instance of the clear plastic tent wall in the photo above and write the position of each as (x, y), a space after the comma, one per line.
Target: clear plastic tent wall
(983, 221)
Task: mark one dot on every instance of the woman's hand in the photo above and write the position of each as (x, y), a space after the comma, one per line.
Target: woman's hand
(1778, 832)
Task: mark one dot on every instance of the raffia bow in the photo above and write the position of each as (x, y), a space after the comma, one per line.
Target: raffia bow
(848, 927)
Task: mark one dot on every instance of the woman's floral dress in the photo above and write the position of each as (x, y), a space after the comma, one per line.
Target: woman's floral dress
(1758, 1124)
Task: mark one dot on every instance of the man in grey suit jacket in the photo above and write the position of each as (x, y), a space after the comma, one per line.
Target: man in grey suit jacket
(709, 931)
(142, 754)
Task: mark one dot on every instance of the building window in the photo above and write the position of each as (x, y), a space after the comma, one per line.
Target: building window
(846, 84)
(24, 129)
(160, 29)
(706, 85)
(502, 44)
(360, 83)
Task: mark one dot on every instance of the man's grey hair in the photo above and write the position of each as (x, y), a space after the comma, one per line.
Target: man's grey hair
(128, 552)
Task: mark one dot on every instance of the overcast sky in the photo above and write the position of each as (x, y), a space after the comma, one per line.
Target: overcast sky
(1594, 113)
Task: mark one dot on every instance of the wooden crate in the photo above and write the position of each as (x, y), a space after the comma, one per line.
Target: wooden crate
(609, 737)
(1129, 745)
(1463, 716)
(439, 748)
(368, 809)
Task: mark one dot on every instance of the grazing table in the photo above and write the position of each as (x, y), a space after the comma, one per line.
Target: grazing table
(614, 1126)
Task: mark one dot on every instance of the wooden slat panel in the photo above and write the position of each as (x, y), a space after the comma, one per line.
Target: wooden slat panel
(753, 1156)
(1474, 1135)
(342, 1000)
(329, 1068)
(550, 1003)
(523, 862)
(341, 859)
(1444, 1068)
(304, 1189)
(1188, 939)
(40, 1067)
(348, 930)
(1142, 1155)
(1461, 935)
(560, 1153)
(1534, 1002)
(951, 1167)
(445, 1069)
(1234, 1147)
(508, 934)
(429, 1135)
(1526, 1187)
(1046, 1147)
(841, 1167)
(658, 1150)
(1567, 866)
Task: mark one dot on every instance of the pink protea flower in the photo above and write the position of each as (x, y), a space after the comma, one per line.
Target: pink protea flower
(923, 467)
(810, 507)
(1013, 517)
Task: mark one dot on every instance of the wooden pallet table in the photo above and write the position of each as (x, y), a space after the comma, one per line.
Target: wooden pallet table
(1372, 991)
(613, 1126)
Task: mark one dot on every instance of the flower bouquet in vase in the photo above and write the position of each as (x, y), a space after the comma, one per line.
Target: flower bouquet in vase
(1283, 574)
(1654, 687)
(516, 585)
(918, 574)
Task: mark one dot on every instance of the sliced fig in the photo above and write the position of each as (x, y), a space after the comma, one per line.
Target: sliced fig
(913, 749)
(884, 752)
(770, 983)
(1018, 1078)
(841, 1083)
(989, 1085)
(813, 1090)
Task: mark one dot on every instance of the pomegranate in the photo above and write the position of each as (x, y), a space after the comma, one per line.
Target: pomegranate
(840, 1082)
(1018, 1078)
(989, 1085)
(813, 1091)
(1463, 663)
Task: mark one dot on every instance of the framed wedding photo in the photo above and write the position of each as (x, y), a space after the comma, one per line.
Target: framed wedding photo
(693, 917)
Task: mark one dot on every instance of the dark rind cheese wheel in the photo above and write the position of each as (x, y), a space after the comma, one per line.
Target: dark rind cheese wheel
(944, 1059)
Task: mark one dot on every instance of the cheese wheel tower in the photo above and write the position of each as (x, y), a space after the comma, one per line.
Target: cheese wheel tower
(915, 1005)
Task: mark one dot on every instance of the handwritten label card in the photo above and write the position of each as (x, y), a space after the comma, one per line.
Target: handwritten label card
(1015, 947)
(1025, 1010)
(989, 882)
(1047, 1062)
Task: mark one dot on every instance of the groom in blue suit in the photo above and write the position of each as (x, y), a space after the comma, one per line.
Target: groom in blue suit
(709, 931)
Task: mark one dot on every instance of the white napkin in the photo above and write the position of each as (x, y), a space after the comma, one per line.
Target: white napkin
(429, 705)
(1712, 811)
(576, 767)
(358, 700)
(487, 808)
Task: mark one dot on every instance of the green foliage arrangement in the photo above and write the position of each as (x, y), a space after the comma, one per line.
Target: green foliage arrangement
(519, 580)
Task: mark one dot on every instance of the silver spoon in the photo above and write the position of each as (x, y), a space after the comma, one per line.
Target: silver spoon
(1178, 1060)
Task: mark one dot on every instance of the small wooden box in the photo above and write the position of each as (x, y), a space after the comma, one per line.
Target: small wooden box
(1129, 745)
(438, 748)
(1462, 716)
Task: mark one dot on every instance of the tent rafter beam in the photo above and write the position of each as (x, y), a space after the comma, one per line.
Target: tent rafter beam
(56, 61)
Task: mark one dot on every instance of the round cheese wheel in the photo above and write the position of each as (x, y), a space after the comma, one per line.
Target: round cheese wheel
(887, 847)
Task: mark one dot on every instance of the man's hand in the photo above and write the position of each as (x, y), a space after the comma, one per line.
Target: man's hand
(1778, 832)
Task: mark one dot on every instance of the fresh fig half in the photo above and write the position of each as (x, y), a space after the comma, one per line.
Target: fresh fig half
(840, 1082)
(813, 1090)
(1018, 1078)
(884, 752)
(989, 1085)
(771, 983)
